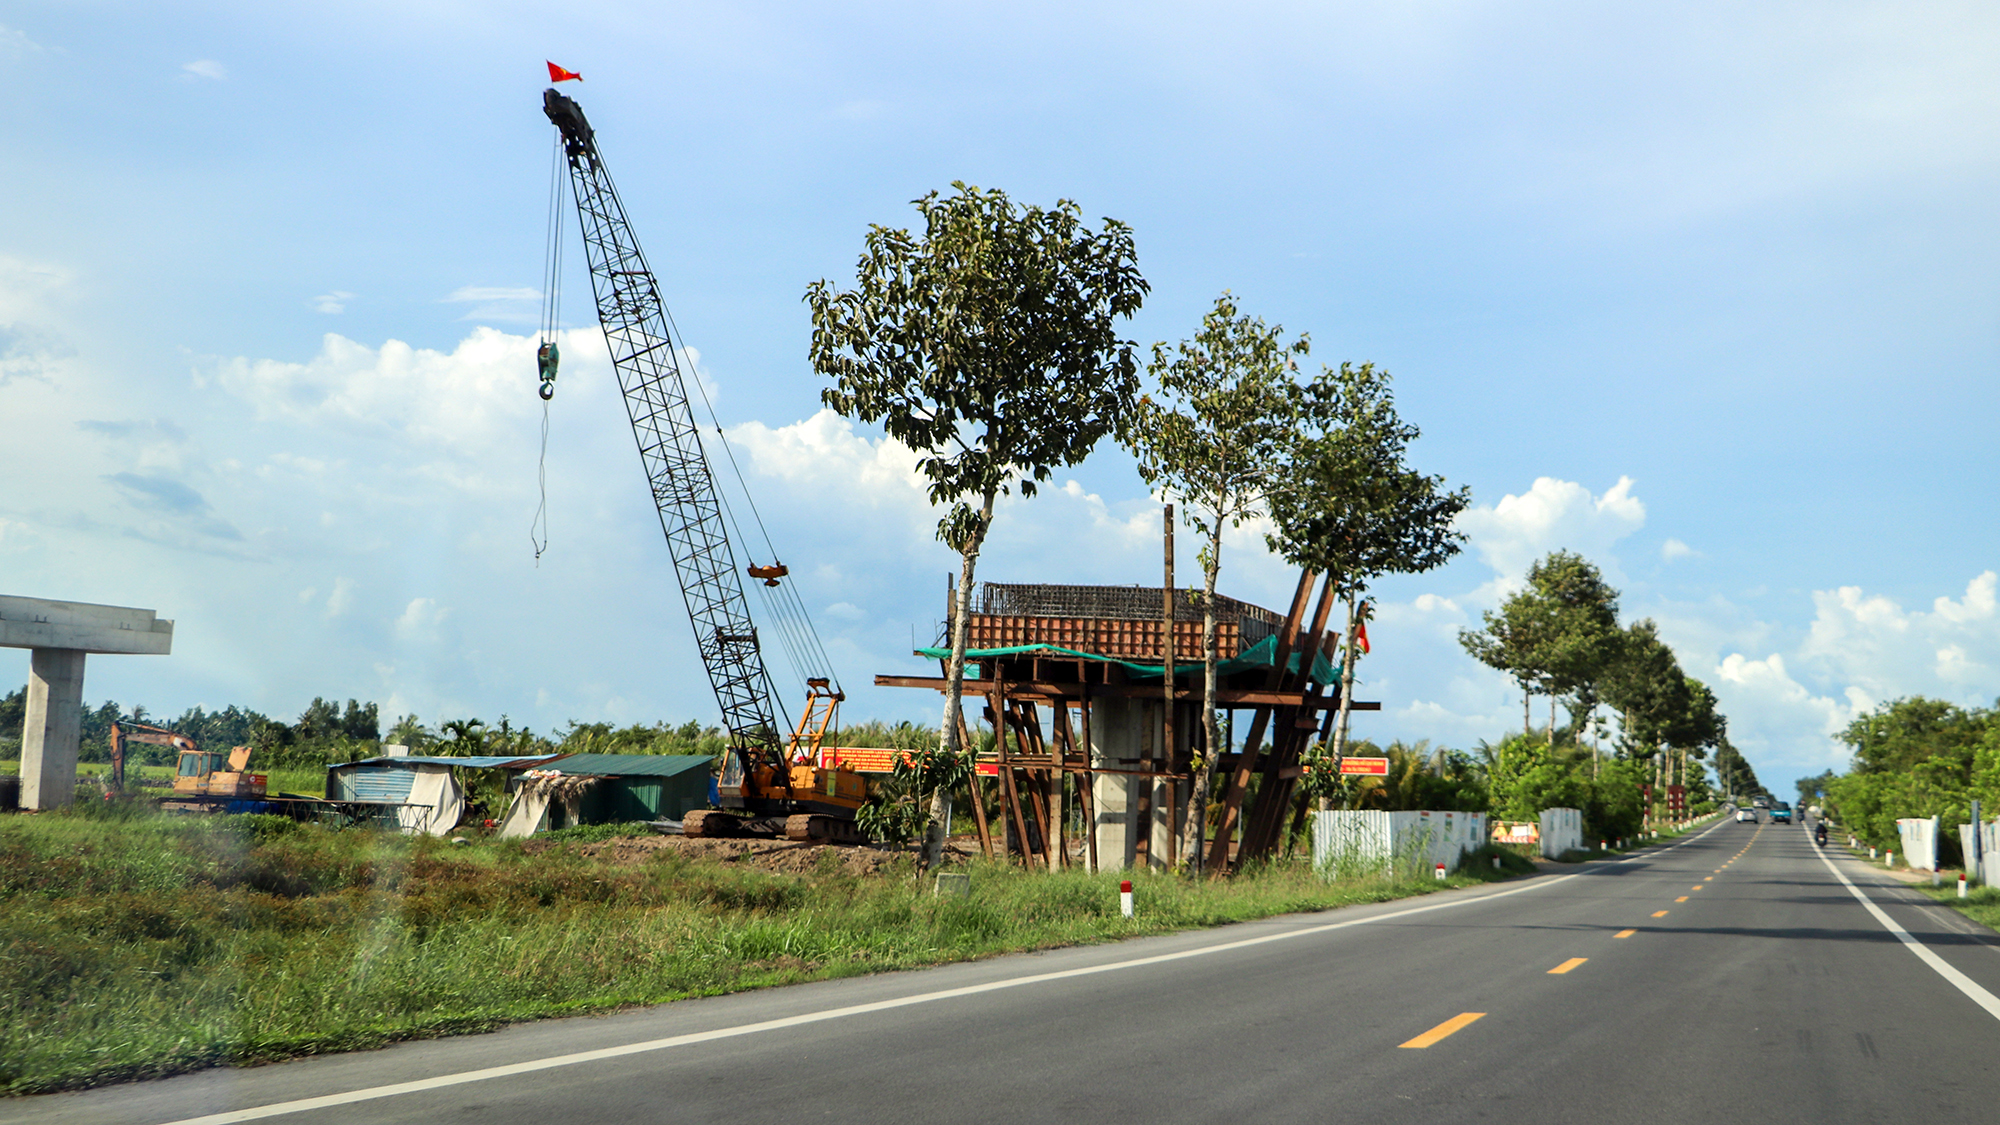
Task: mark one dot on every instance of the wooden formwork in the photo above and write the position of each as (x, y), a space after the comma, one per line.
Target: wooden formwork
(1032, 758)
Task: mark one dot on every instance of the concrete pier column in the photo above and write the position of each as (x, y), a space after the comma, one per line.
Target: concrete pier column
(50, 735)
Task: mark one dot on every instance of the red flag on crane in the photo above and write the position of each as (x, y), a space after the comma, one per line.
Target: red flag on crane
(1361, 636)
(558, 74)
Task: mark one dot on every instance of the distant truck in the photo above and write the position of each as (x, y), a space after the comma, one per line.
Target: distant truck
(1781, 813)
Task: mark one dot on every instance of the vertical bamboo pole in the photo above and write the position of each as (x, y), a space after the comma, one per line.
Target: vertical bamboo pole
(1008, 793)
(978, 798)
(1167, 747)
(1247, 762)
(1089, 789)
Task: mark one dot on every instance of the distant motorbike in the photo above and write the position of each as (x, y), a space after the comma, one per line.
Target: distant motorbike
(1819, 835)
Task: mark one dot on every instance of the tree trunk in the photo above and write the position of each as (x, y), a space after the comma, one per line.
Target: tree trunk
(1195, 824)
(1527, 718)
(1348, 660)
(954, 680)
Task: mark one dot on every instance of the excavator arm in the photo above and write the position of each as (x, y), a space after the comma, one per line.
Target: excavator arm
(121, 733)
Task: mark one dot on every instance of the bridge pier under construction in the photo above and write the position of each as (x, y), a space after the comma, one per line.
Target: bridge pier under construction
(58, 636)
(1077, 690)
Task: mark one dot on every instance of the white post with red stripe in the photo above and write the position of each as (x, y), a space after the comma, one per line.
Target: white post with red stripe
(1125, 898)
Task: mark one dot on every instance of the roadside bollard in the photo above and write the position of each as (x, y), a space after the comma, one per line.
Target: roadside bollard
(1871, 853)
(1889, 860)
(1125, 898)
(1496, 863)
(1439, 873)
(1961, 884)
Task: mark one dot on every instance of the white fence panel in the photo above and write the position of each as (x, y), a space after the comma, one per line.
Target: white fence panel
(1978, 871)
(1356, 841)
(1919, 840)
(1562, 830)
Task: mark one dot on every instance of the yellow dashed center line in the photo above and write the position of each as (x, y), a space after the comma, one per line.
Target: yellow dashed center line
(1624, 933)
(1566, 966)
(1659, 914)
(1697, 888)
(1683, 898)
(1444, 1030)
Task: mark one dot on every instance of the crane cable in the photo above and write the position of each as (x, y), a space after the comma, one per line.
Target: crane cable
(547, 356)
(803, 647)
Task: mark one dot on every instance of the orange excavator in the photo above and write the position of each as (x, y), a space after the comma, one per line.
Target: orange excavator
(198, 772)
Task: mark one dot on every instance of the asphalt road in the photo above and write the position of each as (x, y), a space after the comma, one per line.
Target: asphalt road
(1732, 976)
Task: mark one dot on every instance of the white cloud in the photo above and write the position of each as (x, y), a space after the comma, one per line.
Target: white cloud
(471, 293)
(206, 68)
(479, 393)
(497, 303)
(420, 619)
(334, 302)
(1675, 549)
(876, 473)
(341, 599)
(14, 41)
(1552, 515)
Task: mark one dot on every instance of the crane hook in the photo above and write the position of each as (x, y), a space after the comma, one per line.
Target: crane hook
(547, 357)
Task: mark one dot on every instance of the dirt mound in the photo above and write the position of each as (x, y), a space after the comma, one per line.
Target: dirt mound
(766, 855)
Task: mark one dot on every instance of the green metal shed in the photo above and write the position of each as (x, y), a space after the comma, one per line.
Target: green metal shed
(633, 787)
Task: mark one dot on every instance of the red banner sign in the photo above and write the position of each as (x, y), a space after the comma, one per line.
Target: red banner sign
(1366, 767)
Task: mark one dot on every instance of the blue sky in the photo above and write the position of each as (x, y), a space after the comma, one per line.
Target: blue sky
(1706, 295)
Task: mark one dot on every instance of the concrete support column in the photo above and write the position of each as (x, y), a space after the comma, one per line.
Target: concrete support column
(55, 722)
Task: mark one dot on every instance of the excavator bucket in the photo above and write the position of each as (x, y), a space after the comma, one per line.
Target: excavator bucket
(238, 758)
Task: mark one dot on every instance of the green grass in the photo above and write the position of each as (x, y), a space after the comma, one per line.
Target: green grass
(1981, 904)
(135, 945)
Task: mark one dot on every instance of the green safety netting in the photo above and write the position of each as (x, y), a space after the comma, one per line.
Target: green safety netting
(1263, 654)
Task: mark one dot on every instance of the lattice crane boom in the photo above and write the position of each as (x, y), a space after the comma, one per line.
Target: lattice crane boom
(683, 484)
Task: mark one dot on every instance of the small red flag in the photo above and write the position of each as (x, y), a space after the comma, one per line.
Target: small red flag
(1361, 636)
(558, 74)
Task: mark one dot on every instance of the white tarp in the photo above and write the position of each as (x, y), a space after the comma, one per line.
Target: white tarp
(535, 792)
(435, 803)
(1562, 831)
(1357, 841)
(1919, 839)
(526, 813)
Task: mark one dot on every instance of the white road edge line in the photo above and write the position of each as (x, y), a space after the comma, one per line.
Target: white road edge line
(326, 1101)
(1924, 952)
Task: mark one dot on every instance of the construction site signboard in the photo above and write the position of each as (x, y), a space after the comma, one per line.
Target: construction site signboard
(1365, 767)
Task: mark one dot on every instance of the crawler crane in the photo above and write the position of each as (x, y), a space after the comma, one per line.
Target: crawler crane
(769, 787)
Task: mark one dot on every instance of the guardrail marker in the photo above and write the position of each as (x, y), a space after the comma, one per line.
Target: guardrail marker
(1125, 898)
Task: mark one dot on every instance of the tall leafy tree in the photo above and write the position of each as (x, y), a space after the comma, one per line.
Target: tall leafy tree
(1351, 507)
(1216, 438)
(1558, 635)
(1510, 641)
(1580, 638)
(988, 343)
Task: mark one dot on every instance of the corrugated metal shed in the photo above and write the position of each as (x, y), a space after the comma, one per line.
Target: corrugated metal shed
(470, 761)
(633, 786)
(626, 765)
